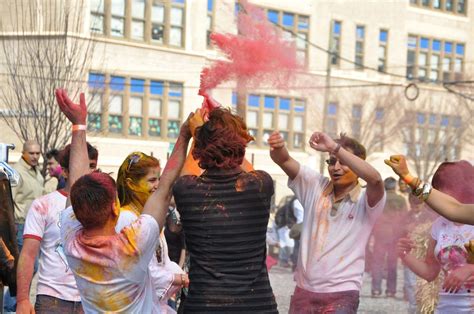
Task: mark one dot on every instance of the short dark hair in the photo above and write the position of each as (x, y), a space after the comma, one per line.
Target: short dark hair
(92, 198)
(390, 183)
(349, 143)
(53, 153)
(64, 155)
(221, 141)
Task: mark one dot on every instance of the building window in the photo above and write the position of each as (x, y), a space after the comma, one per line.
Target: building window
(448, 6)
(95, 108)
(97, 16)
(382, 57)
(151, 21)
(266, 113)
(379, 129)
(359, 47)
(210, 21)
(335, 42)
(331, 119)
(434, 59)
(293, 23)
(356, 121)
(136, 107)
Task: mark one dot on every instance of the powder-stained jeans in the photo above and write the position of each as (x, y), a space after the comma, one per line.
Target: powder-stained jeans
(47, 304)
(307, 302)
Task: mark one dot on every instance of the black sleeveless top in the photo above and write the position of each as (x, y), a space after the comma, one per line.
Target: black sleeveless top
(225, 215)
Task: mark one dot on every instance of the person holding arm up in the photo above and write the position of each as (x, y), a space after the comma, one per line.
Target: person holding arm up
(111, 269)
(338, 219)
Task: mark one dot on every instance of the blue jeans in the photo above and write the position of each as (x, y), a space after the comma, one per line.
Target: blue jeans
(47, 304)
(409, 287)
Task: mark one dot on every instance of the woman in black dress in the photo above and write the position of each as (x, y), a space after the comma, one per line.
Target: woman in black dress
(224, 213)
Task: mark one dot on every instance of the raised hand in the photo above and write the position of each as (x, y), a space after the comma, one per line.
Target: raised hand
(196, 121)
(276, 141)
(322, 142)
(76, 113)
(186, 130)
(399, 165)
(404, 246)
(457, 278)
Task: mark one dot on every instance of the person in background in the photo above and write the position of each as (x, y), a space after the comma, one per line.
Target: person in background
(56, 290)
(30, 187)
(385, 239)
(55, 179)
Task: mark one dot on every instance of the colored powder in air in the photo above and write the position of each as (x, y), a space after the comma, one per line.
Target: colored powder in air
(258, 55)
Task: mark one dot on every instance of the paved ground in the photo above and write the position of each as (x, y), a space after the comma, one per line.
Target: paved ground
(283, 285)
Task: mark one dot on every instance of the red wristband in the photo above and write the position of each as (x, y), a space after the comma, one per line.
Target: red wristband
(79, 127)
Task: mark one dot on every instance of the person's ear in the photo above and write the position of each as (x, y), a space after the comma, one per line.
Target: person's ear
(116, 208)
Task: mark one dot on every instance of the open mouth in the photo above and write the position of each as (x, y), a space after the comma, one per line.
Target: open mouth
(336, 176)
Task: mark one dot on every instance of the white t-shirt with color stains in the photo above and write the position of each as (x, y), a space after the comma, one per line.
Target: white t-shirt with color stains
(112, 271)
(55, 279)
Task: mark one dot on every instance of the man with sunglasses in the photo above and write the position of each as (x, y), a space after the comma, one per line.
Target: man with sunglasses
(56, 289)
(338, 219)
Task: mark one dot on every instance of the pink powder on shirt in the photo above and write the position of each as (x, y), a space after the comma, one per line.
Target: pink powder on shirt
(257, 55)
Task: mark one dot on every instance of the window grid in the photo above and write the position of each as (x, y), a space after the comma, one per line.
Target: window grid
(458, 7)
(151, 21)
(143, 110)
(356, 121)
(210, 22)
(331, 119)
(431, 133)
(359, 47)
(296, 23)
(434, 59)
(383, 50)
(266, 113)
(336, 30)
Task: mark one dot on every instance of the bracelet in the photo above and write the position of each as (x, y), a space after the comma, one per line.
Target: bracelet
(183, 280)
(426, 191)
(408, 178)
(79, 127)
(418, 190)
(336, 150)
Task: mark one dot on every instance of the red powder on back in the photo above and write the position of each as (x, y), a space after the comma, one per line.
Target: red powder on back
(258, 54)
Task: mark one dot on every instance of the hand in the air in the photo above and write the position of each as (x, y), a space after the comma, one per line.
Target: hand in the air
(276, 141)
(76, 113)
(196, 121)
(322, 142)
(399, 165)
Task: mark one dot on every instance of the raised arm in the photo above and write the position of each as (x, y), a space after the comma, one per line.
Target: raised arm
(281, 157)
(375, 189)
(157, 204)
(77, 114)
(440, 202)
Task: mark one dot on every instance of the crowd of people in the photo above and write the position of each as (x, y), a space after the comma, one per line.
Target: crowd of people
(101, 245)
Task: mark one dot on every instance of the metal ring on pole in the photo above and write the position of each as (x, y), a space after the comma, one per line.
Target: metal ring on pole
(412, 88)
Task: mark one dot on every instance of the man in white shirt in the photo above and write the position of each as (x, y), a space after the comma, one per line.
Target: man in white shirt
(337, 223)
(111, 269)
(56, 288)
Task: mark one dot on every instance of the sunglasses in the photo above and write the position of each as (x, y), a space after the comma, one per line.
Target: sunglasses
(133, 159)
(332, 161)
